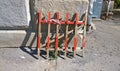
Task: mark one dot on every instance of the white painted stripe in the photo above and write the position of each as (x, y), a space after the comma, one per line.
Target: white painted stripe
(12, 31)
(28, 11)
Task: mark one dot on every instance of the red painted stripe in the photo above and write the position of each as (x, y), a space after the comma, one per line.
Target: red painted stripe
(83, 42)
(76, 18)
(43, 21)
(69, 22)
(48, 42)
(75, 43)
(38, 41)
(38, 36)
(39, 17)
(66, 18)
(66, 43)
(49, 15)
(56, 43)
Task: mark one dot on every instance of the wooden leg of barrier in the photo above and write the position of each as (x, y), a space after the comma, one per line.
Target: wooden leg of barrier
(48, 46)
(38, 34)
(84, 40)
(66, 36)
(56, 42)
(75, 36)
(75, 40)
(83, 45)
(66, 44)
(57, 30)
(48, 38)
(75, 45)
(84, 35)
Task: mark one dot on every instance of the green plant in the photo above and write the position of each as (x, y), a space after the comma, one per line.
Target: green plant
(118, 2)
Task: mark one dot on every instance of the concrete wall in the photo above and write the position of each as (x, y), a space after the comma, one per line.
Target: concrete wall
(19, 29)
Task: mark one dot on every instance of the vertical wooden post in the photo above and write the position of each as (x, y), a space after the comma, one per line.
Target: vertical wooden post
(48, 37)
(56, 40)
(66, 36)
(38, 33)
(84, 33)
(75, 36)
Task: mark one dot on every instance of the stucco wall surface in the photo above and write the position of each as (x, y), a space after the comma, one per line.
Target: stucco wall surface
(62, 6)
(13, 14)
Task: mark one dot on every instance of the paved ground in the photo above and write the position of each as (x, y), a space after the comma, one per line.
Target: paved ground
(102, 54)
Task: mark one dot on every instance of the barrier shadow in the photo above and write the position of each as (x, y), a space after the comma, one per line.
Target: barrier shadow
(30, 31)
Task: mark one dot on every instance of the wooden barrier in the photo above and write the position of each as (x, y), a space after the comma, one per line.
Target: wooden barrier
(58, 22)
